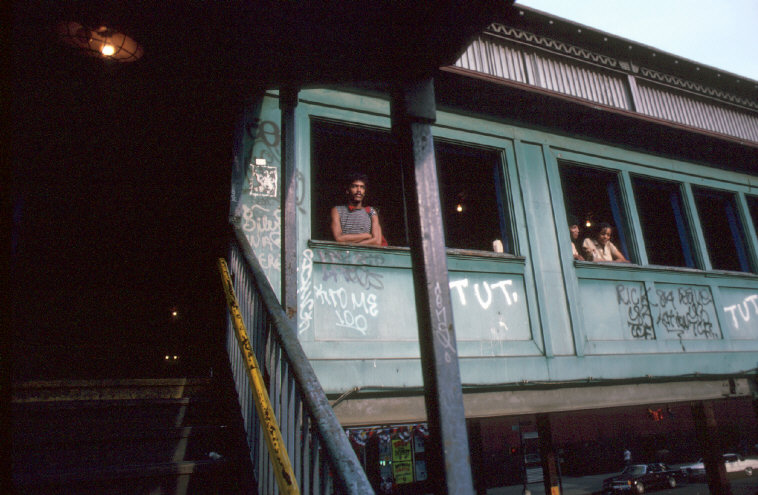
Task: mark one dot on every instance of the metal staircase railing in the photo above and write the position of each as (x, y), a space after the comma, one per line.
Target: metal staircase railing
(320, 454)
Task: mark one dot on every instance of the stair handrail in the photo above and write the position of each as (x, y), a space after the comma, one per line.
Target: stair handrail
(346, 470)
(285, 477)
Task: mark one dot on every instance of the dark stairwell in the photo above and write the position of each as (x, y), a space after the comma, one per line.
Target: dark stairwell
(129, 436)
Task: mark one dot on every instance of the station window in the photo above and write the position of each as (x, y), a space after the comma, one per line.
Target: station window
(592, 196)
(664, 227)
(474, 210)
(338, 149)
(723, 231)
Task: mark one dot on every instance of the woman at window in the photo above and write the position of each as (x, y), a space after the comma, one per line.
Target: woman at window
(573, 224)
(600, 247)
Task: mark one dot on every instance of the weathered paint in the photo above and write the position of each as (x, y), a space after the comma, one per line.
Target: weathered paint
(282, 467)
(536, 314)
(527, 58)
(256, 190)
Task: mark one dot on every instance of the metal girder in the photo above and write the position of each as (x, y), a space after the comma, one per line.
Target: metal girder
(413, 111)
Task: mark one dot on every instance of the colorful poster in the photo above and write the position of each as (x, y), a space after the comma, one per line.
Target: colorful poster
(401, 450)
(403, 472)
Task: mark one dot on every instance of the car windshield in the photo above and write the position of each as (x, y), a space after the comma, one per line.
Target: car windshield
(635, 470)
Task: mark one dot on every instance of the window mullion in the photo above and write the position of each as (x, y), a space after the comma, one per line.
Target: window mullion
(750, 233)
(700, 249)
(637, 243)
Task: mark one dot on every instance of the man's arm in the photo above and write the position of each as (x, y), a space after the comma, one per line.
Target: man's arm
(375, 238)
(337, 231)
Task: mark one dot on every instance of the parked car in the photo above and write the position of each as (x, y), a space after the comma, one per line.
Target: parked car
(734, 463)
(638, 478)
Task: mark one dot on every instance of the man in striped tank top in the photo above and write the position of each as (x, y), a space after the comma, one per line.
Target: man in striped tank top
(355, 222)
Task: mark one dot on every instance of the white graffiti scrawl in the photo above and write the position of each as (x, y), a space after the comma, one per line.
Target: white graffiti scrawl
(743, 309)
(485, 295)
(262, 229)
(352, 308)
(305, 292)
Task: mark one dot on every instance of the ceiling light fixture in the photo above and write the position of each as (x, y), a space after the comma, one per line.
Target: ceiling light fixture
(103, 42)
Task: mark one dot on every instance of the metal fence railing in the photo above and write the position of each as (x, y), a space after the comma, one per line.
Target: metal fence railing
(320, 454)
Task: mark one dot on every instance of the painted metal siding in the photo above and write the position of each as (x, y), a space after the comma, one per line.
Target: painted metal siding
(573, 79)
(516, 63)
(488, 57)
(511, 54)
(663, 103)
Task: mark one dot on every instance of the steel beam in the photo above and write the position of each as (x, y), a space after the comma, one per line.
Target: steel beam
(287, 104)
(550, 474)
(413, 111)
(710, 441)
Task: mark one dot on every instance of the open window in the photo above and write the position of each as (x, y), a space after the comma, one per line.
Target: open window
(592, 196)
(338, 149)
(722, 228)
(664, 228)
(474, 208)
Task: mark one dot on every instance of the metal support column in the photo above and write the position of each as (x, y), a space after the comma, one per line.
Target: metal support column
(710, 441)
(550, 476)
(413, 111)
(287, 104)
(477, 456)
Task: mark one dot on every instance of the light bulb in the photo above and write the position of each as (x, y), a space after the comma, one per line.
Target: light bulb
(459, 208)
(108, 50)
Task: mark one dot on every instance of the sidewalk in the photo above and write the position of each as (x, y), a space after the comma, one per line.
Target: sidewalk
(571, 486)
(587, 485)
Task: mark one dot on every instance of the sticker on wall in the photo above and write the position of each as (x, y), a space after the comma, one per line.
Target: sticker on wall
(263, 179)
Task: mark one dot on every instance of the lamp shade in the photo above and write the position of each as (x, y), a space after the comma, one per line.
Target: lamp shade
(102, 42)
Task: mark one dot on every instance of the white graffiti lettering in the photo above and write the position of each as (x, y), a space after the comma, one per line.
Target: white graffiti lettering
(305, 292)
(351, 308)
(458, 286)
(744, 314)
(262, 227)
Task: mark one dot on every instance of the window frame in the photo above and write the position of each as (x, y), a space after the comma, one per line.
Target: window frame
(681, 218)
(501, 146)
(737, 223)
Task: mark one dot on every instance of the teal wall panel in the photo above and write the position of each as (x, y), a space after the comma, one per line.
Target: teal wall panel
(366, 297)
(605, 319)
(740, 307)
(366, 303)
(258, 201)
(543, 250)
(489, 307)
(629, 310)
(534, 315)
(684, 312)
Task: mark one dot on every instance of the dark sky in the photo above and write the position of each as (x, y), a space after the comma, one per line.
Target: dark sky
(120, 185)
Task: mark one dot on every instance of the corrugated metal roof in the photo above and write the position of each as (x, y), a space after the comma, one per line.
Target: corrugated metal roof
(556, 65)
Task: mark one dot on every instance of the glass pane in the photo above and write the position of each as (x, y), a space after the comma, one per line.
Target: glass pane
(664, 229)
(723, 231)
(752, 204)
